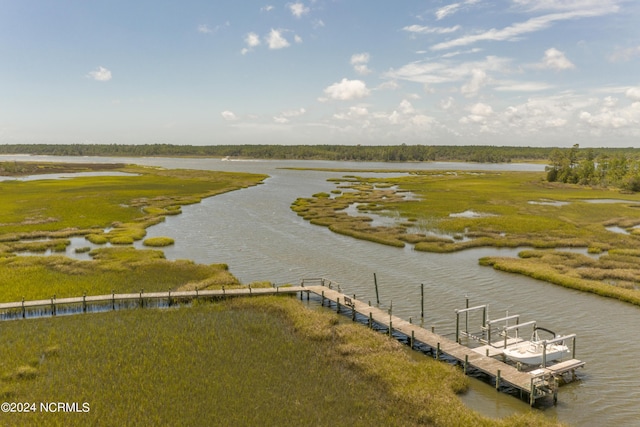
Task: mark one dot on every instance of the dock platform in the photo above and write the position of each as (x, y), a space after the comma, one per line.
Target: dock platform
(535, 384)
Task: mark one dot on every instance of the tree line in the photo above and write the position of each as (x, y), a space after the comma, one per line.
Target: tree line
(386, 153)
(588, 167)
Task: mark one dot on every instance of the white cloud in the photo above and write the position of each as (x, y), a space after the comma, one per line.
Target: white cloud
(511, 86)
(447, 72)
(297, 39)
(267, 8)
(516, 30)
(298, 9)
(633, 93)
(406, 107)
(252, 40)
(204, 28)
(419, 29)
(450, 9)
(229, 115)
(100, 75)
(389, 85)
(556, 60)
(359, 62)
(275, 40)
(623, 55)
(346, 90)
(481, 109)
(478, 80)
(447, 10)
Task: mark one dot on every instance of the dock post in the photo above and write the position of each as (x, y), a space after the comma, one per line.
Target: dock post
(438, 352)
(169, 298)
(307, 295)
(466, 318)
(141, 300)
(24, 312)
(84, 302)
(338, 305)
(498, 379)
(421, 303)
(322, 303)
(197, 296)
(532, 394)
(370, 321)
(573, 352)
(413, 338)
(53, 306)
(466, 364)
(113, 299)
(375, 281)
(457, 327)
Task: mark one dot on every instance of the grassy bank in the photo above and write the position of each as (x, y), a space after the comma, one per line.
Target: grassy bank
(253, 361)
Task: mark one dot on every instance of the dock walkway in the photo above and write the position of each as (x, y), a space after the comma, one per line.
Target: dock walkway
(536, 384)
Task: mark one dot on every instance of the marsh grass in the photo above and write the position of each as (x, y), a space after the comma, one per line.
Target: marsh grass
(158, 241)
(510, 209)
(616, 275)
(119, 269)
(85, 206)
(245, 362)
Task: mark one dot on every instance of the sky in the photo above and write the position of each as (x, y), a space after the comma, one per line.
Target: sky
(371, 72)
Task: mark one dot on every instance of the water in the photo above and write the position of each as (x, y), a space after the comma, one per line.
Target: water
(255, 232)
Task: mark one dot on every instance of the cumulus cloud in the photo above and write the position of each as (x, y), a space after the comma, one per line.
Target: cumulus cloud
(267, 8)
(406, 107)
(275, 40)
(298, 9)
(633, 93)
(359, 62)
(229, 115)
(478, 80)
(346, 90)
(100, 75)
(252, 40)
(556, 60)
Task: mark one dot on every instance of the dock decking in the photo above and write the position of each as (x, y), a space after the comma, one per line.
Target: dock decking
(537, 383)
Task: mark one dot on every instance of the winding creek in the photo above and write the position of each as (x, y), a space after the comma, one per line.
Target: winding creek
(256, 233)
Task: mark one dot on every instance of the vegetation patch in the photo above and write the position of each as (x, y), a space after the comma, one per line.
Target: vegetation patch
(158, 241)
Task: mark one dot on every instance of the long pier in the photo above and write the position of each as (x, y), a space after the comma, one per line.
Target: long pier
(535, 384)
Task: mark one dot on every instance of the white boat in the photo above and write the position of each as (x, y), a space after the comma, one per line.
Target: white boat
(537, 351)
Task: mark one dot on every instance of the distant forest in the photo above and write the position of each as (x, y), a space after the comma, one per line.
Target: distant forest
(387, 153)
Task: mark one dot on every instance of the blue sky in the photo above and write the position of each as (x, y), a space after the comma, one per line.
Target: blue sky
(465, 72)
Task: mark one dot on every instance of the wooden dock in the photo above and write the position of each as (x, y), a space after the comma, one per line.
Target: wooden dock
(535, 384)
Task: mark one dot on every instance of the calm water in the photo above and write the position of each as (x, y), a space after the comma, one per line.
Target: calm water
(255, 232)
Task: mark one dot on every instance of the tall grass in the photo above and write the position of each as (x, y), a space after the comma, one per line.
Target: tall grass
(245, 362)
